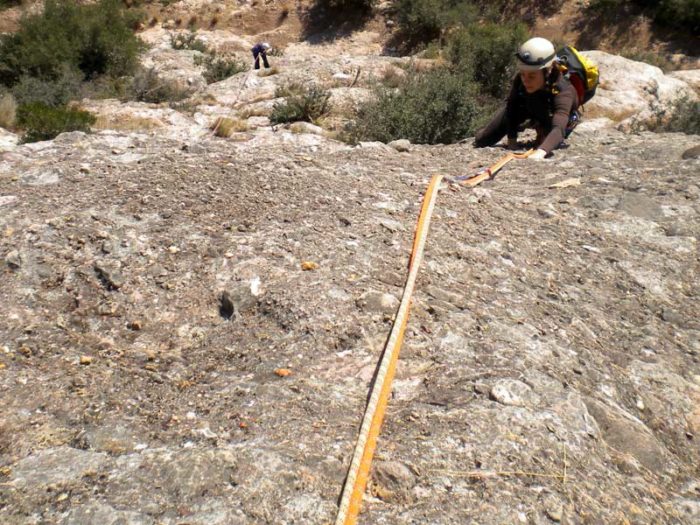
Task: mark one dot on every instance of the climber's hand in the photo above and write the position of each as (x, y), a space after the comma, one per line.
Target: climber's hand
(538, 155)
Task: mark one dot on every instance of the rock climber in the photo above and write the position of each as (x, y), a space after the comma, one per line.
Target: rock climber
(540, 95)
(260, 51)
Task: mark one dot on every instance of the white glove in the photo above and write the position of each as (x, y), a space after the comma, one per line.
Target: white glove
(538, 155)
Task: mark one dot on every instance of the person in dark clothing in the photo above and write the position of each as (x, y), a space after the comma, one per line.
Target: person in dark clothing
(260, 51)
(540, 95)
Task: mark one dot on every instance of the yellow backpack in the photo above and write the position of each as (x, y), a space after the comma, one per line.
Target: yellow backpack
(581, 72)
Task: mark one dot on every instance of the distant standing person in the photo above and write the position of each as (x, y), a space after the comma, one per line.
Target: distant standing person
(260, 51)
(539, 94)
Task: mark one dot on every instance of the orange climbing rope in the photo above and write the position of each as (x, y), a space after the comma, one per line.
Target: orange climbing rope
(358, 473)
(491, 171)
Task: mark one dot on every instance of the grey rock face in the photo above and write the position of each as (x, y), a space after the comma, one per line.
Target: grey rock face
(549, 369)
(56, 466)
(511, 392)
(628, 435)
(96, 513)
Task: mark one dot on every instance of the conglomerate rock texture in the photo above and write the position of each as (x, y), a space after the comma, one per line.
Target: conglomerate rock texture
(166, 358)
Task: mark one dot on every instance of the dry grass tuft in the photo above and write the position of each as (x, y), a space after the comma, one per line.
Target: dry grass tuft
(225, 127)
(255, 111)
(127, 123)
(8, 111)
(392, 77)
(268, 72)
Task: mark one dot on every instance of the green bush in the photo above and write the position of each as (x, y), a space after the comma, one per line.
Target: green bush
(52, 92)
(309, 104)
(425, 20)
(188, 41)
(683, 13)
(684, 117)
(95, 39)
(438, 106)
(108, 87)
(606, 7)
(42, 122)
(672, 13)
(220, 68)
(361, 5)
(485, 52)
(290, 89)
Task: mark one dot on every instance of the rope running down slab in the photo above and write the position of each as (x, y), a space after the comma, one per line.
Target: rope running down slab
(358, 473)
(356, 481)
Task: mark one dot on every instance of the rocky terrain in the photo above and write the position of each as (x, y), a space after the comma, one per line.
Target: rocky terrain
(189, 324)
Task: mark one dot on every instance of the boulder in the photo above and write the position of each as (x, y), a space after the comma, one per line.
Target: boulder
(634, 94)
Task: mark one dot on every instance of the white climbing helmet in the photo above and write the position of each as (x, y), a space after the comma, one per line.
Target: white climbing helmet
(535, 54)
(266, 46)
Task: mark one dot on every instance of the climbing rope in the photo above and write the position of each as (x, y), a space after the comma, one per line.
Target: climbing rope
(491, 170)
(358, 473)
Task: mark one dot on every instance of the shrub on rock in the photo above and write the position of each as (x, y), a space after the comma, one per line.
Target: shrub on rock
(188, 41)
(437, 106)
(302, 103)
(94, 39)
(221, 68)
(485, 52)
(684, 117)
(42, 122)
(54, 92)
(425, 20)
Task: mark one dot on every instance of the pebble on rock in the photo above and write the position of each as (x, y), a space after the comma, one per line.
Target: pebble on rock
(13, 260)
(401, 145)
(511, 392)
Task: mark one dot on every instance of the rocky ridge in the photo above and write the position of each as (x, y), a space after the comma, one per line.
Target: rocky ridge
(633, 96)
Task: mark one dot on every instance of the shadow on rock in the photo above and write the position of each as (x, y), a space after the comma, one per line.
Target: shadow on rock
(329, 20)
